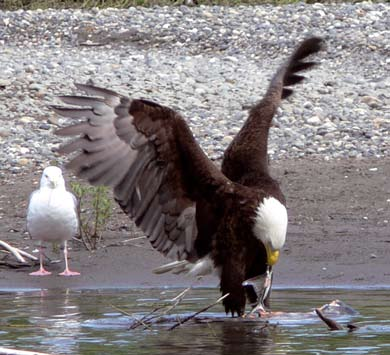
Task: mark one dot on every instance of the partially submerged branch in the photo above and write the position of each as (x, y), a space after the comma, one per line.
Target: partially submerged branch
(176, 301)
(162, 314)
(198, 312)
(157, 312)
(332, 324)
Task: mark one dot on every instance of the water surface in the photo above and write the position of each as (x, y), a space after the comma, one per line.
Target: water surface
(97, 322)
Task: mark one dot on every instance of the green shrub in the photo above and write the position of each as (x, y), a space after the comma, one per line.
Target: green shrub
(94, 212)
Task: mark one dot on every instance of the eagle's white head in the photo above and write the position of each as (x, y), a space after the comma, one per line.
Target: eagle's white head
(270, 227)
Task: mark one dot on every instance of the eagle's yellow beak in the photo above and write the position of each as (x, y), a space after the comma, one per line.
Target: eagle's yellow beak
(272, 255)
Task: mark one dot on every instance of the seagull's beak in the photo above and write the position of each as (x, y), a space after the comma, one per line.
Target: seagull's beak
(53, 183)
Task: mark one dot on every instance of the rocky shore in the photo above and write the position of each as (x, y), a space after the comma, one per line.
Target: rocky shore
(210, 63)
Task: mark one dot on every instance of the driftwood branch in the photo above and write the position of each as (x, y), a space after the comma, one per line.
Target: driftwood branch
(186, 319)
(156, 313)
(139, 322)
(17, 252)
(133, 239)
(7, 351)
(145, 320)
(27, 255)
(332, 324)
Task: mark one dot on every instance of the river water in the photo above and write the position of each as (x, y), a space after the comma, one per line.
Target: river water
(98, 322)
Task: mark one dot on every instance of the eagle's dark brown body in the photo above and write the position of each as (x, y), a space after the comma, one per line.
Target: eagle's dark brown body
(188, 208)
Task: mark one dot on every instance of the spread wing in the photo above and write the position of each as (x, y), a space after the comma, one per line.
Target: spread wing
(246, 156)
(147, 153)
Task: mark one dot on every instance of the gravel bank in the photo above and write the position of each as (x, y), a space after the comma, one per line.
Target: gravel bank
(210, 63)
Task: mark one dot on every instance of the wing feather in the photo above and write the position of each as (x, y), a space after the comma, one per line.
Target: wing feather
(147, 153)
(246, 159)
(84, 128)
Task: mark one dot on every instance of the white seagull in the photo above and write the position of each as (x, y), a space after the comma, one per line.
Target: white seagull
(52, 215)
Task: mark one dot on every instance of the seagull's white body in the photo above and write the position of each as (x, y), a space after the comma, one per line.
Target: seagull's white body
(52, 214)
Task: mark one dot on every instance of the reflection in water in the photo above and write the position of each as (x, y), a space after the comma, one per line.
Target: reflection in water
(238, 339)
(88, 322)
(57, 317)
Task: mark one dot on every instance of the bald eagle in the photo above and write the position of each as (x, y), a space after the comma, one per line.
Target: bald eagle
(231, 221)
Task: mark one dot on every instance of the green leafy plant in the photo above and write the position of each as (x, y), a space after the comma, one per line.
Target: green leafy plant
(94, 212)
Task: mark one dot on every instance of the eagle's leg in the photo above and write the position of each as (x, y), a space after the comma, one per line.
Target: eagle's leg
(258, 290)
(231, 283)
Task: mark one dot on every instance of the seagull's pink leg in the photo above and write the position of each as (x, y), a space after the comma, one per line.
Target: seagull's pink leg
(67, 272)
(41, 271)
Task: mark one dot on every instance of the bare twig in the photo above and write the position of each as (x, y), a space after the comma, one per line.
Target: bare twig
(177, 300)
(82, 239)
(166, 309)
(132, 245)
(140, 321)
(333, 325)
(186, 319)
(121, 310)
(28, 255)
(15, 251)
(133, 239)
(145, 320)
